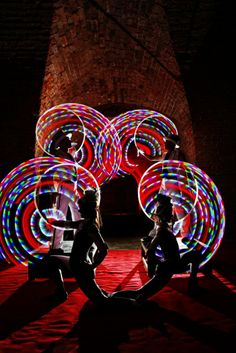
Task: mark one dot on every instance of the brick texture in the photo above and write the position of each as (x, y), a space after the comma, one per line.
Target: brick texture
(117, 53)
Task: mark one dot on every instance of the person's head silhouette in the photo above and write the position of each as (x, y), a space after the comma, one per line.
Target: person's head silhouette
(171, 144)
(163, 209)
(89, 205)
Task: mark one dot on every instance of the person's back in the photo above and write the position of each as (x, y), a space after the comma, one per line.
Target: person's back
(167, 242)
(82, 242)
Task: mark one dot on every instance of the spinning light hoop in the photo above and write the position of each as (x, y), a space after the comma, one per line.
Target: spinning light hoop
(16, 191)
(99, 134)
(125, 125)
(40, 225)
(20, 233)
(143, 128)
(65, 179)
(56, 119)
(108, 152)
(203, 225)
(104, 152)
(150, 133)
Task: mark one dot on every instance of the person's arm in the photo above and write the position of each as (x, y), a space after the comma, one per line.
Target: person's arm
(151, 257)
(152, 247)
(66, 224)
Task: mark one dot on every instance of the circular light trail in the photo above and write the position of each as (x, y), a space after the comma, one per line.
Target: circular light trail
(141, 131)
(102, 150)
(23, 226)
(197, 203)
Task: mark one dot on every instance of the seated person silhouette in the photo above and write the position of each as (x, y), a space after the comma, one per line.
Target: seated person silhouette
(88, 251)
(161, 269)
(146, 240)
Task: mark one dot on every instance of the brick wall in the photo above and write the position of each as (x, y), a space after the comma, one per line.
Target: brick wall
(117, 53)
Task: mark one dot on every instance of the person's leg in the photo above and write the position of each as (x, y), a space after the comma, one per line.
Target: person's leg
(98, 296)
(92, 290)
(162, 276)
(155, 284)
(130, 294)
(56, 264)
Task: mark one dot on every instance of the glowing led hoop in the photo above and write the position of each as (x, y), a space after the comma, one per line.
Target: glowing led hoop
(57, 119)
(125, 125)
(21, 235)
(16, 196)
(101, 142)
(102, 154)
(149, 134)
(200, 209)
(63, 180)
(145, 130)
(108, 151)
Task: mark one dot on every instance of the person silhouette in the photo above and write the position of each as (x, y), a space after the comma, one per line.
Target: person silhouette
(161, 269)
(172, 147)
(88, 251)
(62, 147)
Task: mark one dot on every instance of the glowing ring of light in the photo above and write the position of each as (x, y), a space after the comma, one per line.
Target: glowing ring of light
(203, 225)
(20, 236)
(149, 134)
(66, 180)
(129, 125)
(100, 142)
(17, 194)
(56, 119)
(108, 151)
(24, 226)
